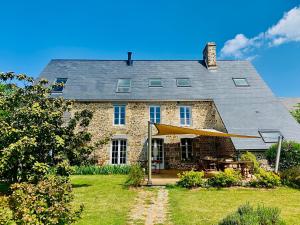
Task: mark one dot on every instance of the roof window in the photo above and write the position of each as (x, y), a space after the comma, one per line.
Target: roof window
(124, 85)
(270, 136)
(155, 82)
(240, 82)
(183, 82)
(59, 84)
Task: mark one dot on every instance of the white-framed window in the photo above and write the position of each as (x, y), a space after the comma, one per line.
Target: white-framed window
(240, 82)
(119, 151)
(183, 82)
(154, 114)
(186, 148)
(155, 82)
(119, 114)
(124, 85)
(270, 136)
(185, 115)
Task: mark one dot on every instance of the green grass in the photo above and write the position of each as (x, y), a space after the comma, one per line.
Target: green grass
(106, 201)
(208, 206)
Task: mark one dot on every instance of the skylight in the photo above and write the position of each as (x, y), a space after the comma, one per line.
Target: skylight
(155, 82)
(124, 85)
(240, 82)
(270, 136)
(183, 82)
(59, 84)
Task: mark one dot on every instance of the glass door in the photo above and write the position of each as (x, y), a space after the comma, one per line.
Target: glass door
(158, 153)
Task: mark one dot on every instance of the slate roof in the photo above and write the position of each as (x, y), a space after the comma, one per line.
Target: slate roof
(244, 110)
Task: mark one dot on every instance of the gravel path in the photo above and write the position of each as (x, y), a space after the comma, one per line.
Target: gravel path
(151, 207)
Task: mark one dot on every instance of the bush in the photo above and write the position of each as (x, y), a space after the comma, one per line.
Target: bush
(248, 156)
(136, 176)
(47, 202)
(289, 157)
(265, 179)
(228, 178)
(191, 179)
(291, 177)
(107, 169)
(5, 213)
(247, 215)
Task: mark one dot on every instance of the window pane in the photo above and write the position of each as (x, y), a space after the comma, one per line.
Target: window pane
(240, 82)
(60, 84)
(114, 159)
(124, 85)
(151, 109)
(270, 136)
(183, 82)
(155, 83)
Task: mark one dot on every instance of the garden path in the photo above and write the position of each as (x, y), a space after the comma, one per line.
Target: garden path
(151, 207)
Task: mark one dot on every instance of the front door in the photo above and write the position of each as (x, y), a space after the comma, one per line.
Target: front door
(158, 153)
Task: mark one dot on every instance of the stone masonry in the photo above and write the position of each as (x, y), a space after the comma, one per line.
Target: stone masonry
(204, 116)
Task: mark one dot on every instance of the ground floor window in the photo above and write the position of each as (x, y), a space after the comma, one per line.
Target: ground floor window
(118, 152)
(186, 148)
(157, 149)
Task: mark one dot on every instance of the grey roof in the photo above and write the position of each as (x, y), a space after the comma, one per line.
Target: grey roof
(290, 103)
(243, 110)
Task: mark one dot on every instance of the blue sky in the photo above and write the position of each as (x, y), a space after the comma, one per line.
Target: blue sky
(267, 32)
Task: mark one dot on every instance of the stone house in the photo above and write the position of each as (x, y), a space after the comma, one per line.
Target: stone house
(124, 95)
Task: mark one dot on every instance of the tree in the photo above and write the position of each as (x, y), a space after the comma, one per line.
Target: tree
(33, 129)
(296, 113)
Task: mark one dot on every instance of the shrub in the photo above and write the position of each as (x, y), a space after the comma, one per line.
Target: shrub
(136, 176)
(47, 202)
(191, 179)
(289, 157)
(291, 177)
(228, 178)
(247, 215)
(5, 213)
(265, 179)
(107, 169)
(248, 156)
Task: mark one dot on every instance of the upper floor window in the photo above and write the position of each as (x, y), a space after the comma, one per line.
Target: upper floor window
(155, 114)
(270, 136)
(124, 85)
(155, 82)
(183, 82)
(119, 115)
(186, 148)
(240, 82)
(185, 115)
(59, 84)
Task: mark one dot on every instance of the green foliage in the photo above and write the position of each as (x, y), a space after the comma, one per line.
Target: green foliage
(47, 202)
(228, 178)
(5, 213)
(33, 129)
(266, 179)
(289, 157)
(248, 156)
(191, 179)
(296, 113)
(291, 176)
(136, 176)
(107, 169)
(247, 215)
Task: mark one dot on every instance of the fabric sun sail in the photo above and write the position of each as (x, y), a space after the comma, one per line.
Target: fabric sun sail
(164, 129)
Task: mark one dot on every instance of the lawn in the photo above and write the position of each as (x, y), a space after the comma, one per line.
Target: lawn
(207, 207)
(104, 198)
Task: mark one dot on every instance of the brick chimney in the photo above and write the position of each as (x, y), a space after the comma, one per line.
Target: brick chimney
(210, 56)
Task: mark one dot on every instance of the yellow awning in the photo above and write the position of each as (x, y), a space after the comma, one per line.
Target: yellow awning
(164, 129)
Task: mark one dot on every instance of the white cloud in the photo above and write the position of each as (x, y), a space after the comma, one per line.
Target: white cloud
(286, 30)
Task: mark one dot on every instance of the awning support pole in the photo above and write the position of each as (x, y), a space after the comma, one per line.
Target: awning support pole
(278, 153)
(149, 182)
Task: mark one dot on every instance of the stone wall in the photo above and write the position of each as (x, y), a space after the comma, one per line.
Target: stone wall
(204, 115)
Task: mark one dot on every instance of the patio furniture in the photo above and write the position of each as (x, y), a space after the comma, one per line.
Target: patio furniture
(209, 163)
(246, 167)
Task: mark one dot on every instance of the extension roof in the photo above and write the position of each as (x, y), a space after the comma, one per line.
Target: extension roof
(244, 110)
